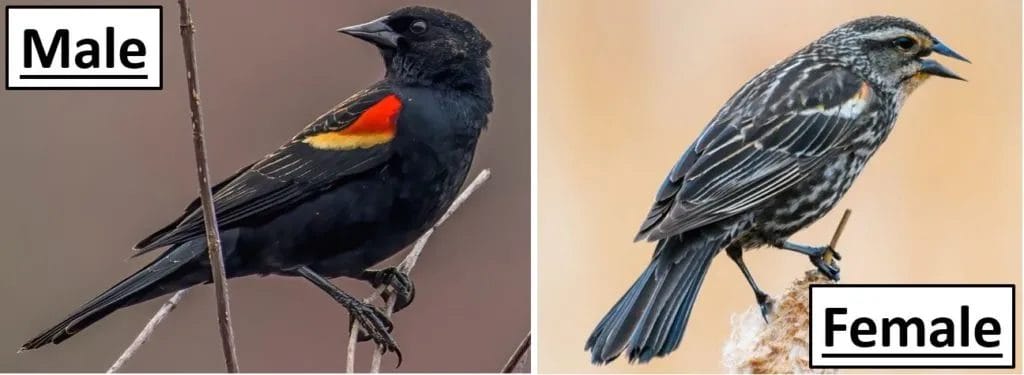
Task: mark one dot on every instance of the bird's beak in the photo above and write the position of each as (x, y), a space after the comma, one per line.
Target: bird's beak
(944, 50)
(377, 32)
(933, 67)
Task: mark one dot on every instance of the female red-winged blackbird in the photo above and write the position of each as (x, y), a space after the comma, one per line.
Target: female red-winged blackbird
(354, 187)
(775, 158)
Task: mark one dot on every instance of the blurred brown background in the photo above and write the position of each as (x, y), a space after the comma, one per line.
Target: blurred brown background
(88, 173)
(625, 86)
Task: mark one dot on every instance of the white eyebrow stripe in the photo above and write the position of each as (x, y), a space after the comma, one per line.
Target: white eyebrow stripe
(888, 33)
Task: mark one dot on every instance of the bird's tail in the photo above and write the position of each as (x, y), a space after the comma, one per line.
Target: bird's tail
(649, 320)
(176, 269)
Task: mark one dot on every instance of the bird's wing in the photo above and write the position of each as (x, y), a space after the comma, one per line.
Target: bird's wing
(351, 138)
(765, 140)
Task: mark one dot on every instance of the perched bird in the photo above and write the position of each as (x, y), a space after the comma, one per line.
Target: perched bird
(355, 186)
(775, 159)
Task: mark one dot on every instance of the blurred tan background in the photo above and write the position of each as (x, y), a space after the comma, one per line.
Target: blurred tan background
(625, 87)
(88, 173)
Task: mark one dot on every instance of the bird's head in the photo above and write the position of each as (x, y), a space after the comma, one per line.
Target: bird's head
(892, 53)
(427, 44)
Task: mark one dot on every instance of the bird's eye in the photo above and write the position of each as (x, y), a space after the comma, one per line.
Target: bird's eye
(418, 27)
(904, 43)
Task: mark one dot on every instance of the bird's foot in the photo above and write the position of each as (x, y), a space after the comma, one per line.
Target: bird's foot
(399, 284)
(822, 257)
(826, 262)
(374, 325)
(765, 302)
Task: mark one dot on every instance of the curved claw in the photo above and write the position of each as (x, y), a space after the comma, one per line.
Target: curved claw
(401, 287)
(835, 254)
(400, 283)
(765, 302)
(397, 352)
(376, 326)
(830, 270)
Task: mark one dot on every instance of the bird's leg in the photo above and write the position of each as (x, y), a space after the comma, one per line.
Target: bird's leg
(763, 300)
(399, 282)
(371, 319)
(821, 257)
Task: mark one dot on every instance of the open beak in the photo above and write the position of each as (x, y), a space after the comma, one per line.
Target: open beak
(377, 32)
(933, 67)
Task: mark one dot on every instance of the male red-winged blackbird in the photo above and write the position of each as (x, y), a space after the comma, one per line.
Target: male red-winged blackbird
(775, 158)
(357, 185)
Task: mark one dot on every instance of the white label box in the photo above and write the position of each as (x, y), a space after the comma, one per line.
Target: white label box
(84, 47)
(912, 326)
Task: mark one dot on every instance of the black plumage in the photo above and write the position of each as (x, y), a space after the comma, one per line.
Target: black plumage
(357, 185)
(777, 157)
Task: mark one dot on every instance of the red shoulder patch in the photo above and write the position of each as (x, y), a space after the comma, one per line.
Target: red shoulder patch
(375, 126)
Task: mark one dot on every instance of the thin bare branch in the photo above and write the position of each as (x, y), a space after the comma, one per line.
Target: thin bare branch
(227, 334)
(835, 237)
(840, 228)
(520, 359)
(147, 331)
(406, 266)
(350, 354)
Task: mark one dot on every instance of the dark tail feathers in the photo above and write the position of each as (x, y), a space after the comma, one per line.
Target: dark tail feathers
(150, 282)
(650, 319)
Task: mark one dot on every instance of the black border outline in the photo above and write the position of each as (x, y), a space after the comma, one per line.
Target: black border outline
(83, 76)
(1013, 323)
(7, 35)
